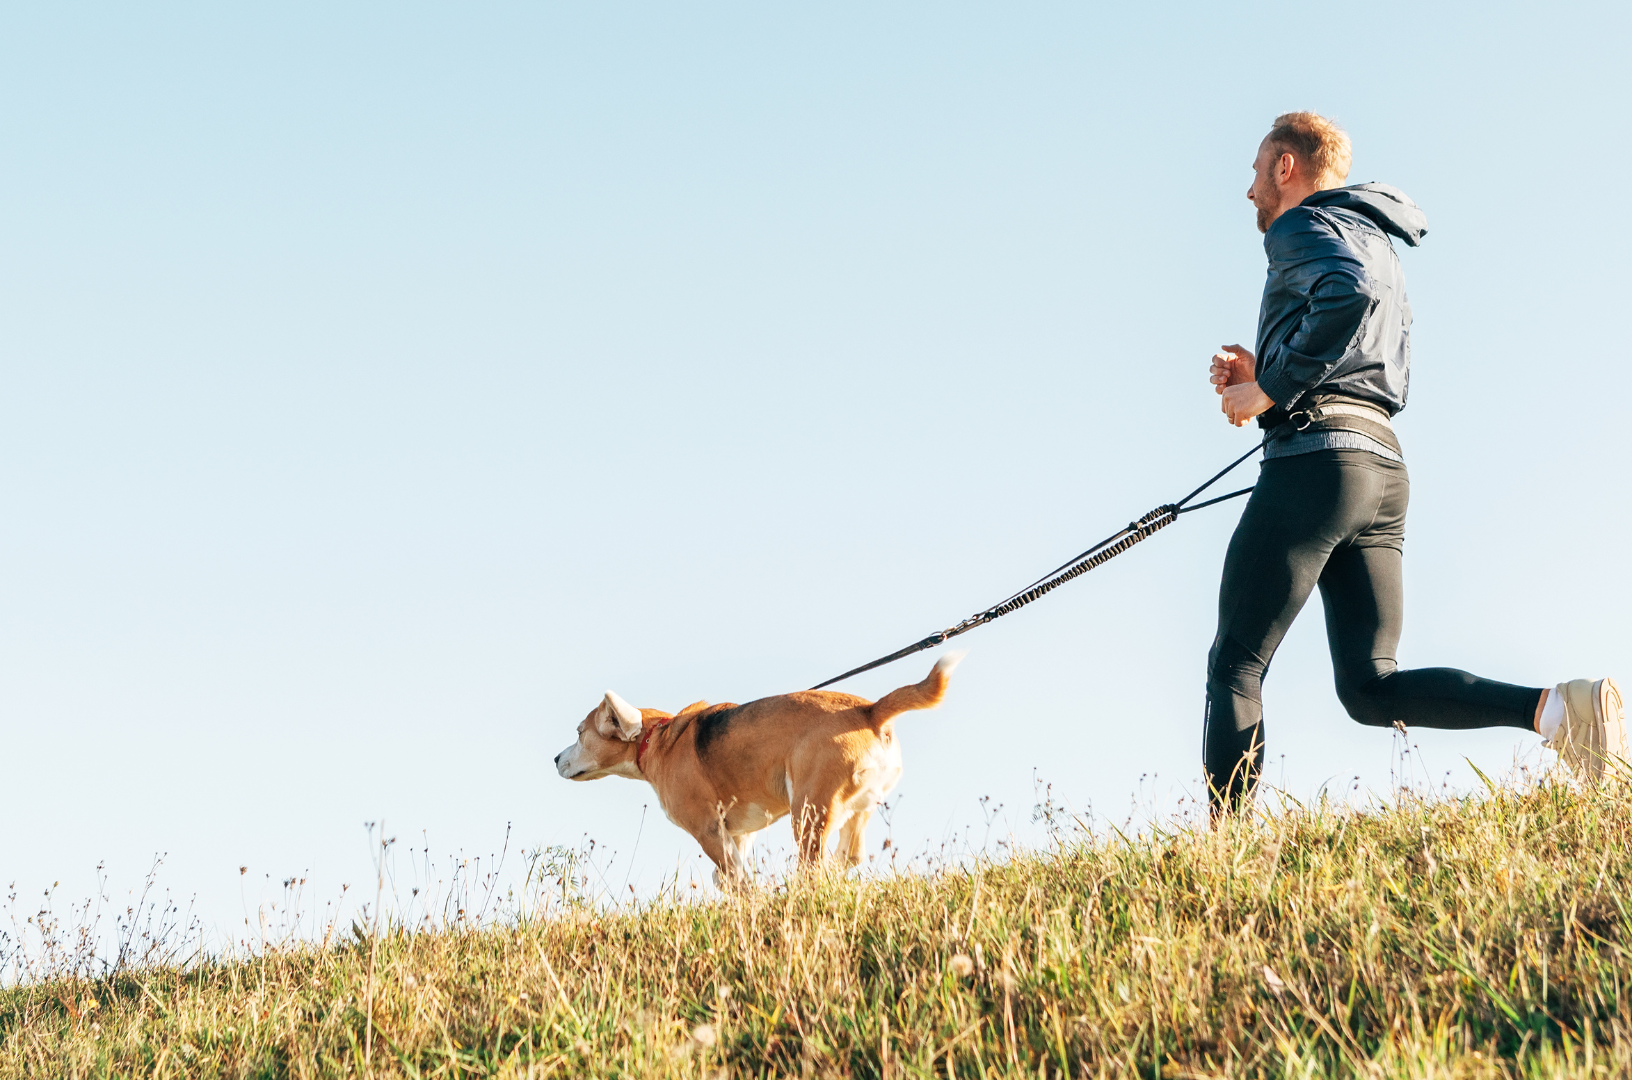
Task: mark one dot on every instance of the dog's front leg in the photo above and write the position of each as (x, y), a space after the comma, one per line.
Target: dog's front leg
(718, 847)
(729, 853)
(734, 875)
(731, 871)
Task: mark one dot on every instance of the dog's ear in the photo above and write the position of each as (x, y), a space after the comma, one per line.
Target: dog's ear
(617, 719)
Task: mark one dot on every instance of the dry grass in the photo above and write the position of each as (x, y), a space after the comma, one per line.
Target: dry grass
(1450, 937)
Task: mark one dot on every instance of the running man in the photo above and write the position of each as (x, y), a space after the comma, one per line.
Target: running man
(1331, 368)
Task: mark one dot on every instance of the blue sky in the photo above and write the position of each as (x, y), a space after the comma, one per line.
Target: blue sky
(381, 385)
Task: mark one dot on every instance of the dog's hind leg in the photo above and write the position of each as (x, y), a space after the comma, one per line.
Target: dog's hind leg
(853, 837)
(812, 829)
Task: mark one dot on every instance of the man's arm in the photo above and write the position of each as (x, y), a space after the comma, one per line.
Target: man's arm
(1338, 305)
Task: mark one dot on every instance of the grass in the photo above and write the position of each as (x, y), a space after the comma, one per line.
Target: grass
(1436, 937)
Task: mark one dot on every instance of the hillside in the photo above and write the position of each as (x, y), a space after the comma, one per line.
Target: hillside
(1472, 937)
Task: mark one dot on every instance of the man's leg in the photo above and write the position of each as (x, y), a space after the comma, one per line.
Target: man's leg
(1301, 509)
(1234, 760)
(1362, 591)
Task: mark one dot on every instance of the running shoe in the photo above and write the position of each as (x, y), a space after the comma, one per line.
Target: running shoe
(1594, 727)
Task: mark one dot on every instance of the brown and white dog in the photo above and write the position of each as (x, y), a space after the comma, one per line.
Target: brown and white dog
(724, 772)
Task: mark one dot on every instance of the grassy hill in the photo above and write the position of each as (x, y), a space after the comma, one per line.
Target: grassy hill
(1473, 937)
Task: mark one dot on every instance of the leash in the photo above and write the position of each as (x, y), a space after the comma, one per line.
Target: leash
(1101, 553)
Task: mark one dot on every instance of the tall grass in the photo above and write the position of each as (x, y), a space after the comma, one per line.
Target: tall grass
(1435, 937)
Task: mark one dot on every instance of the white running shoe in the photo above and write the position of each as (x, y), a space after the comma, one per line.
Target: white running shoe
(1594, 727)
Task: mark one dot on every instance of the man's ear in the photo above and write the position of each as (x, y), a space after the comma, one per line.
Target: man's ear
(1285, 166)
(617, 719)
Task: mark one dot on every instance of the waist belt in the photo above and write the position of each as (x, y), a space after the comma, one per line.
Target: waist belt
(1324, 413)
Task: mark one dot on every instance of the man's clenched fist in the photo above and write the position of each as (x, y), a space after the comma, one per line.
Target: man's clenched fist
(1243, 401)
(1233, 374)
(1232, 364)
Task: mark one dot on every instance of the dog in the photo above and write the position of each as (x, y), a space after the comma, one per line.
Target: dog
(725, 772)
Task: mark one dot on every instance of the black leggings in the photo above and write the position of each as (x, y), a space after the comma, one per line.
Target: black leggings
(1335, 518)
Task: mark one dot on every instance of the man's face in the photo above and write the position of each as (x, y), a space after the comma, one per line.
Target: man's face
(1265, 191)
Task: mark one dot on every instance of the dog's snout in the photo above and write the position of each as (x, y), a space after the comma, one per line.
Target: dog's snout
(558, 759)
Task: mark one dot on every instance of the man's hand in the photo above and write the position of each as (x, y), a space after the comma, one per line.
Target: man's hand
(1232, 365)
(1243, 401)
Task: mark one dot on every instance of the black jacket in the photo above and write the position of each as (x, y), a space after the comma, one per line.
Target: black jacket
(1335, 319)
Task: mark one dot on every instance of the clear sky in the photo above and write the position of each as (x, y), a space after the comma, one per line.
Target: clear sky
(382, 383)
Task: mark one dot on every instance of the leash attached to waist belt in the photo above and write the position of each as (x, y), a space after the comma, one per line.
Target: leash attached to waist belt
(1326, 412)
(1335, 412)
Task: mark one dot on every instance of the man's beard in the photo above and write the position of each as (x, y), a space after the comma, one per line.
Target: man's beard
(1266, 216)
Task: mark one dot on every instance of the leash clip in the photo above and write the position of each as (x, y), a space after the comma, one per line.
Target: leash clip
(1308, 416)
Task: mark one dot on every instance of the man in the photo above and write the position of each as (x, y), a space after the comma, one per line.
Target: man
(1331, 368)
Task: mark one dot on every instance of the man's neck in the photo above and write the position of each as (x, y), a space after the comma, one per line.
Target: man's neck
(1293, 194)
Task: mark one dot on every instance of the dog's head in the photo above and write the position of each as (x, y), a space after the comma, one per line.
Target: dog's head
(606, 742)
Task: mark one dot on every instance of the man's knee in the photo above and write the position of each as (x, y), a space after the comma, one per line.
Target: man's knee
(1365, 701)
(1233, 669)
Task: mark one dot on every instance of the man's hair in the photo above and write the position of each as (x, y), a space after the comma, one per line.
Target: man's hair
(1319, 144)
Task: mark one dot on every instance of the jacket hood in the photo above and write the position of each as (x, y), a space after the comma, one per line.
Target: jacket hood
(1388, 206)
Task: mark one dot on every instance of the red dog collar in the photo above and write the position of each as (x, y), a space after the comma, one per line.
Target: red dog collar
(646, 737)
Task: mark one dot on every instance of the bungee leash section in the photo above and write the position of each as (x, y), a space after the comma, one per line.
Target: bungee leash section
(1102, 552)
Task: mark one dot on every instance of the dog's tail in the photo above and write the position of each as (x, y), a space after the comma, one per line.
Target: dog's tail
(924, 695)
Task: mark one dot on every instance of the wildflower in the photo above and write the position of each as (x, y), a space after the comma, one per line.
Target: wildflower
(704, 1035)
(962, 966)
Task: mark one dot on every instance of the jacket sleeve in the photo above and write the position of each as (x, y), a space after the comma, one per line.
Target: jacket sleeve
(1337, 305)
